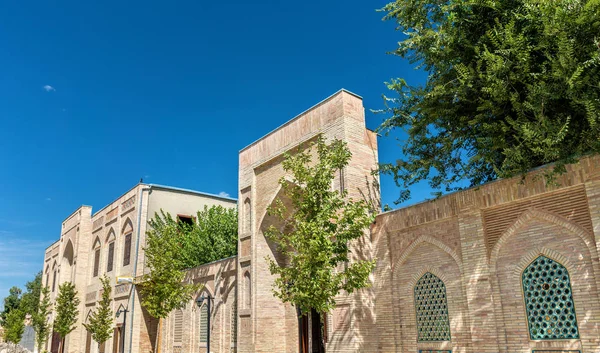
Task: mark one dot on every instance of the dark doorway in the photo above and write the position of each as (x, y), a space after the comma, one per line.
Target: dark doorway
(55, 342)
(311, 333)
(88, 342)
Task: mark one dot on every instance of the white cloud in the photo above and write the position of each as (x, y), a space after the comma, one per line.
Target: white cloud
(48, 88)
(223, 194)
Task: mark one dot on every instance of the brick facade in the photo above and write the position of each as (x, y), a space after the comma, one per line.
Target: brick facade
(120, 226)
(477, 241)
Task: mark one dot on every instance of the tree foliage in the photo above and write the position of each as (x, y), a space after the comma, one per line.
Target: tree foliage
(40, 319)
(211, 237)
(512, 85)
(163, 289)
(14, 325)
(316, 226)
(100, 324)
(30, 300)
(66, 309)
(11, 302)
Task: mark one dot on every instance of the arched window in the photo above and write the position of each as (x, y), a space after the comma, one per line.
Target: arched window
(432, 309)
(47, 276)
(54, 273)
(247, 290)
(127, 231)
(96, 250)
(203, 323)
(247, 215)
(548, 301)
(111, 250)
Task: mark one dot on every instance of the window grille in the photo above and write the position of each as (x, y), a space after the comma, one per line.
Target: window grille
(548, 301)
(178, 327)
(96, 262)
(111, 255)
(127, 250)
(203, 323)
(432, 309)
(234, 326)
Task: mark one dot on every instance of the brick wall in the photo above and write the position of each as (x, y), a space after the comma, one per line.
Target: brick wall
(479, 242)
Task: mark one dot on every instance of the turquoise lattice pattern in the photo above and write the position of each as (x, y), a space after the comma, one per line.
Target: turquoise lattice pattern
(432, 309)
(548, 300)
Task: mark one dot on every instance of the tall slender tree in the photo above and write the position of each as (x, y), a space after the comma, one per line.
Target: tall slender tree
(14, 326)
(40, 319)
(101, 320)
(66, 311)
(163, 288)
(315, 230)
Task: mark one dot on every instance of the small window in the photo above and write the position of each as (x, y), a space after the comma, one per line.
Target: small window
(203, 323)
(96, 262)
(178, 327)
(185, 220)
(54, 281)
(127, 250)
(111, 255)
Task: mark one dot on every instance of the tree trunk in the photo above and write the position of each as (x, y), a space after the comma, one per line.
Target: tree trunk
(158, 334)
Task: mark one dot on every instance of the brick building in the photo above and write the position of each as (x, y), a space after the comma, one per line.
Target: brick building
(110, 242)
(507, 267)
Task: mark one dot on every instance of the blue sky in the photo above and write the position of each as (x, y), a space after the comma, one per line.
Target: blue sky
(96, 96)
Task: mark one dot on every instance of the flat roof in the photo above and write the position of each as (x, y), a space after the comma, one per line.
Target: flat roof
(200, 193)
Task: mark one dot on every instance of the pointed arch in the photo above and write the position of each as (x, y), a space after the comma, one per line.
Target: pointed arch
(127, 226)
(544, 216)
(69, 252)
(429, 240)
(110, 235)
(96, 243)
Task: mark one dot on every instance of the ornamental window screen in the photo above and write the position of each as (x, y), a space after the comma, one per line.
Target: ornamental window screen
(203, 323)
(432, 309)
(234, 326)
(549, 301)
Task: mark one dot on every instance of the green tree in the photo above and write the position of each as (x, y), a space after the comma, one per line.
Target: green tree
(511, 85)
(66, 311)
(40, 319)
(163, 288)
(30, 300)
(212, 235)
(11, 302)
(101, 320)
(315, 228)
(14, 326)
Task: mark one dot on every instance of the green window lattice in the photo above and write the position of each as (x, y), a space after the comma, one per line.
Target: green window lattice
(203, 323)
(432, 309)
(548, 301)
